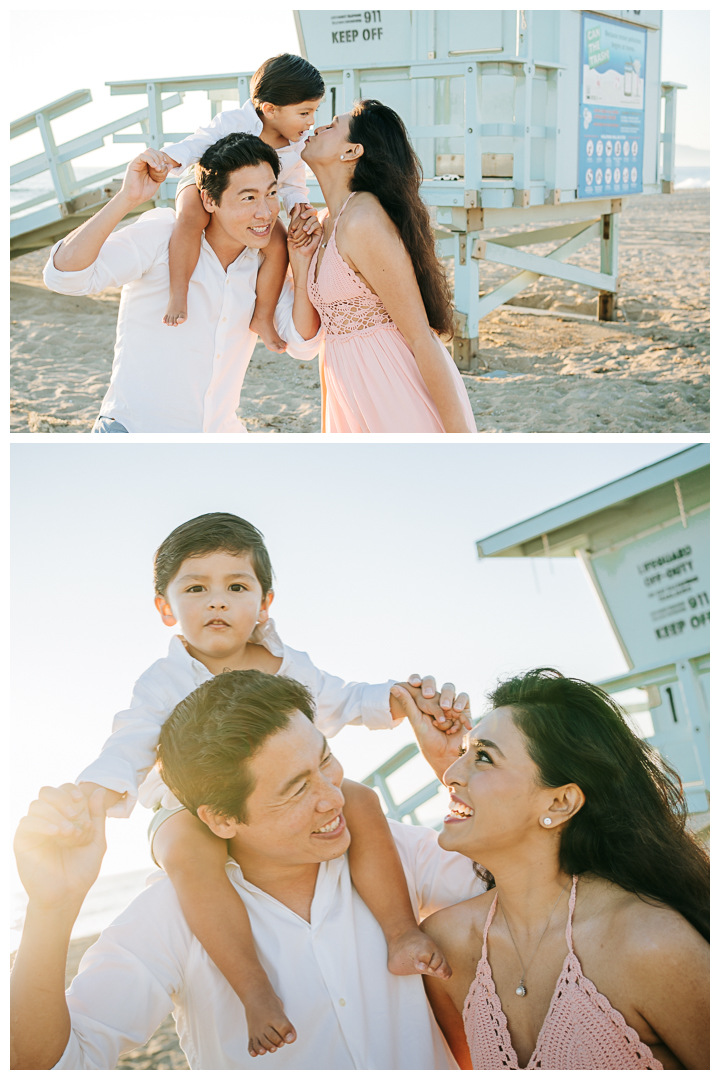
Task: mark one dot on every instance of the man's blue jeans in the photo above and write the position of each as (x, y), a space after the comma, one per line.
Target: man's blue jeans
(105, 425)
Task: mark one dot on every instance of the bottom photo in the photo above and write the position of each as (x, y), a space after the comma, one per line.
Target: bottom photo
(389, 757)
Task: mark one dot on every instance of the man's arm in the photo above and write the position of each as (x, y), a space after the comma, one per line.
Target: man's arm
(81, 248)
(57, 862)
(128, 978)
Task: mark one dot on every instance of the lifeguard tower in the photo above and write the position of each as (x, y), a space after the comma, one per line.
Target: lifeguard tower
(644, 544)
(520, 118)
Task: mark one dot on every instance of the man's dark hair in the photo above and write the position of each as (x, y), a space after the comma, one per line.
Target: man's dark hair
(208, 741)
(234, 151)
(205, 535)
(285, 80)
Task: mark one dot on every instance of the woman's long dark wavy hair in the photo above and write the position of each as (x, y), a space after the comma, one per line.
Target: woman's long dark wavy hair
(632, 827)
(390, 169)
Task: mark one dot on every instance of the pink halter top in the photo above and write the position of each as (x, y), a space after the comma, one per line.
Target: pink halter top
(581, 1029)
(344, 302)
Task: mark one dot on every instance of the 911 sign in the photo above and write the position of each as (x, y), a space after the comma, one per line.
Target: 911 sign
(344, 39)
(657, 589)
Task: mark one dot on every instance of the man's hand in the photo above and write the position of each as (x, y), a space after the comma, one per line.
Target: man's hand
(143, 176)
(59, 846)
(440, 748)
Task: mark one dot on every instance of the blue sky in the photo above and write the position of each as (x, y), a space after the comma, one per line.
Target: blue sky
(377, 575)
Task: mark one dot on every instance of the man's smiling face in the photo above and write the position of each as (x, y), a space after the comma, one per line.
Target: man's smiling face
(248, 206)
(294, 814)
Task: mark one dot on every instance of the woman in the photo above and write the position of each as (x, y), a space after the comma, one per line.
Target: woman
(378, 284)
(589, 949)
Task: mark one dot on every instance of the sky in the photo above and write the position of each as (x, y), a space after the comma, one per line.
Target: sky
(376, 569)
(75, 50)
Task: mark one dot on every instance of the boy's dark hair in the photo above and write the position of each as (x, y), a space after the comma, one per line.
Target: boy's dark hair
(285, 80)
(209, 739)
(206, 534)
(233, 151)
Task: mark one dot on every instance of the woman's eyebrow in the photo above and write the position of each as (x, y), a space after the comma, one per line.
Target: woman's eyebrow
(487, 743)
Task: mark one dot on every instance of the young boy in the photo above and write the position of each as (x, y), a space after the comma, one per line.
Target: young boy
(213, 576)
(284, 93)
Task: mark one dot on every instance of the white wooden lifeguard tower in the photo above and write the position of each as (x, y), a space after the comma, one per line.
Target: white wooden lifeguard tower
(644, 543)
(520, 118)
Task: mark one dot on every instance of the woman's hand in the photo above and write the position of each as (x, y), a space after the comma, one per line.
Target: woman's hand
(304, 224)
(440, 749)
(300, 255)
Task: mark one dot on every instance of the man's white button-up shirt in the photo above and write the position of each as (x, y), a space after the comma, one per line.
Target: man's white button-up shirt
(291, 178)
(177, 378)
(131, 751)
(331, 975)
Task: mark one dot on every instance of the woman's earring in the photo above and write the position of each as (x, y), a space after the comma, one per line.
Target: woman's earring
(342, 157)
(547, 821)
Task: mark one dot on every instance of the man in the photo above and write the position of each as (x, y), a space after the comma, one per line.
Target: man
(322, 949)
(188, 378)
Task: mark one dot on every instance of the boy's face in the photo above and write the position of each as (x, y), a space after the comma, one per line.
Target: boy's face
(292, 121)
(217, 600)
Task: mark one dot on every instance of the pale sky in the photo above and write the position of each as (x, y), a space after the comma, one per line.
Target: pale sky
(377, 576)
(65, 51)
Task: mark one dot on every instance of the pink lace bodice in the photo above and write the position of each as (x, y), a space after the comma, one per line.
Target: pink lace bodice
(581, 1029)
(345, 304)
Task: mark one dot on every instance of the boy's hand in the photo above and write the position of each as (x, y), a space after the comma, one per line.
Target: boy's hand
(446, 711)
(109, 797)
(170, 162)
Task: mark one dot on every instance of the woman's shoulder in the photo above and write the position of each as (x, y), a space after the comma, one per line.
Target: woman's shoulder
(364, 210)
(644, 928)
(454, 923)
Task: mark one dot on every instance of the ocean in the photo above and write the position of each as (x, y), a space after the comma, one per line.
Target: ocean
(686, 176)
(109, 895)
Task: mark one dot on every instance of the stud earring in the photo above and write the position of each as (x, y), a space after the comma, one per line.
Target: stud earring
(342, 157)
(547, 821)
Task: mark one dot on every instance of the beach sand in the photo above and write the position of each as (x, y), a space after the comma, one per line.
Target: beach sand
(648, 372)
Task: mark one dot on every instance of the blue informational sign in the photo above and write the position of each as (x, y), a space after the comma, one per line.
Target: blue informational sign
(612, 108)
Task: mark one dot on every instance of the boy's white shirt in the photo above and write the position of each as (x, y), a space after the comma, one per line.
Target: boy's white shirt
(126, 761)
(291, 179)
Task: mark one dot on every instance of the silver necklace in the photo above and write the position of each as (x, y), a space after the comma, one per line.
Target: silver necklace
(521, 990)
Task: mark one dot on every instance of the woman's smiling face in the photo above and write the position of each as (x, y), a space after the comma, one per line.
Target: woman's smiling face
(496, 799)
(328, 142)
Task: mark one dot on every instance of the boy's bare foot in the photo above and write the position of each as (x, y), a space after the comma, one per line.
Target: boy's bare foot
(268, 1026)
(414, 953)
(264, 327)
(176, 313)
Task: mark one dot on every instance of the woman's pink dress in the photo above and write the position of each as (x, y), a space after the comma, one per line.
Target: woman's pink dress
(370, 379)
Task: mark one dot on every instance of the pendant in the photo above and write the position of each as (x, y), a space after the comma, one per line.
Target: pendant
(521, 991)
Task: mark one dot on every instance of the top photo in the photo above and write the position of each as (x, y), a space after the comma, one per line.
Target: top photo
(360, 222)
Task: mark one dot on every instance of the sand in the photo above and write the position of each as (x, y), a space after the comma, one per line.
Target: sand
(647, 372)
